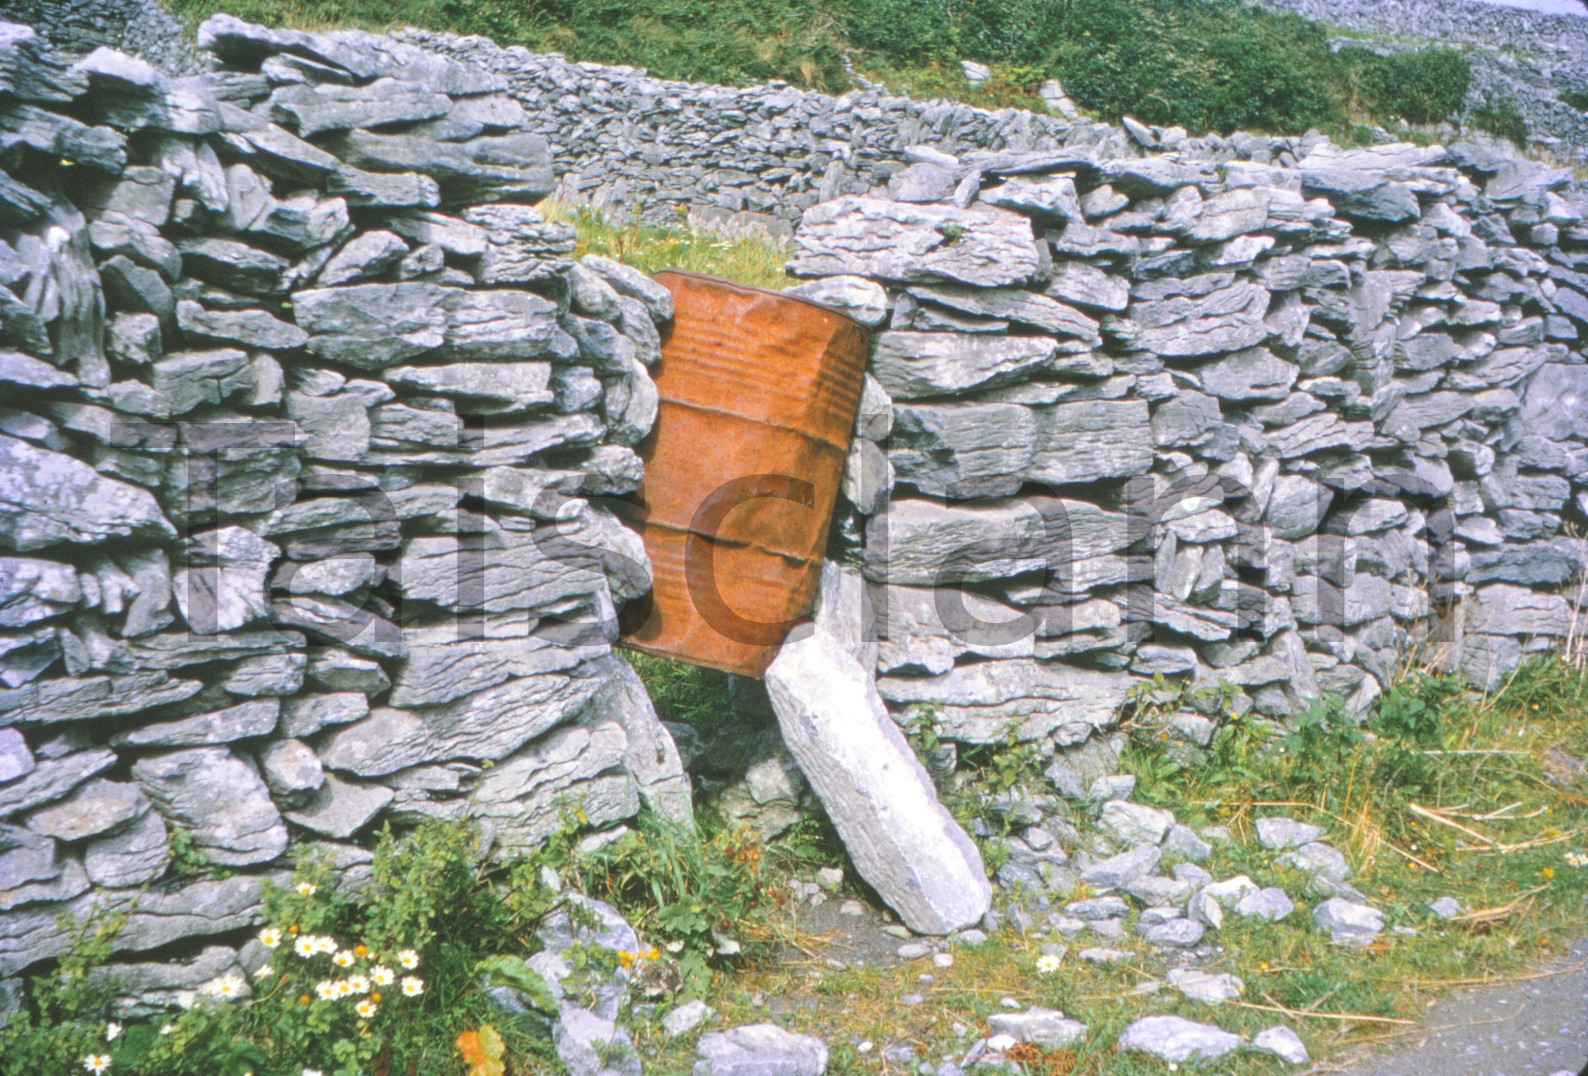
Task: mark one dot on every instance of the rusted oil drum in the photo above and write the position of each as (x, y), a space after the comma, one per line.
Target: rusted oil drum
(758, 397)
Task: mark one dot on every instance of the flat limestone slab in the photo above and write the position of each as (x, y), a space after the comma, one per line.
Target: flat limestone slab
(903, 841)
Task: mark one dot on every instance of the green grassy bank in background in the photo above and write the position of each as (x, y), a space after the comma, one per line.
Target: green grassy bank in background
(1216, 65)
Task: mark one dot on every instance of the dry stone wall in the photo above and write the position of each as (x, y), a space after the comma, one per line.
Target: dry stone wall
(1277, 427)
(308, 416)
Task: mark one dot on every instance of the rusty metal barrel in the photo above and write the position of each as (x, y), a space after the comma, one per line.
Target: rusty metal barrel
(758, 393)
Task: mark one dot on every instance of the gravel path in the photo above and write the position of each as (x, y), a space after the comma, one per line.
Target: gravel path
(1528, 1027)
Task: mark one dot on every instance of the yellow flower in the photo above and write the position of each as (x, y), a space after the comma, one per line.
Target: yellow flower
(270, 937)
(366, 1008)
(306, 889)
(96, 1063)
(360, 950)
(413, 986)
(344, 959)
(408, 959)
(382, 975)
(1548, 872)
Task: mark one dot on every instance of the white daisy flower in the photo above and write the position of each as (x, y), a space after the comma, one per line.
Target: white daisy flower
(306, 889)
(270, 937)
(359, 984)
(382, 975)
(1047, 964)
(305, 946)
(344, 959)
(413, 986)
(366, 1008)
(326, 989)
(408, 959)
(96, 1063)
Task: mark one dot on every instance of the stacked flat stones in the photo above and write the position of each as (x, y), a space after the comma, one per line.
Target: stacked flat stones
(758, 156)
(1280, 427)
(305, 406)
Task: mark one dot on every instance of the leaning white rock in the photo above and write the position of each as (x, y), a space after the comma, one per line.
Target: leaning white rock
(903, 841)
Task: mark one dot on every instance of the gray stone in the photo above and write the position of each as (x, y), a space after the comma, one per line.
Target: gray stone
(1555, 405)
(96, 807)
(1198, 316)
(220, 799)
(1085, 285)
(1283, 1043)
(238, 722)
(1210, 987)
(759, 1050)
(880, 798)
(521, 246)
(914, 366)
(1177, 933)
(15, 758)
(869, 237)
(1253, 374)
(338, 809)
(291, 770)
(1176, 1039)
(225, 586)
(981, 703)
(1445, 907)
(992, 449)
(1182, 841)
(1014, 306)
(861, 299)
(372, 326)
(1122, 869)
(630, 282)
(135, 855)
(250, 328)
(929, 543)
(485, 169)
(1278, 834)
(48, 498)
(51, 778)
(1269, 904)
(686, 1018)
(329, 107)
(489, 724)
(86, 698)
(1047, 1028)
(1133, 823)
(32, 590)
(367, 255)
(1348, 922)
(580, 766)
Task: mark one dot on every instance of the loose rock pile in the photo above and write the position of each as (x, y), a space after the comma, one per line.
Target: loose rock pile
(305, 403)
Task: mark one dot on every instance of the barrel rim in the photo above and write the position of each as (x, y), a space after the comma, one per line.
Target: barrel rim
(752, 289)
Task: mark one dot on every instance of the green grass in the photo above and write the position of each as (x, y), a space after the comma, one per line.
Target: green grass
(749, 259)
(1203, 64)
(1428, 744)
